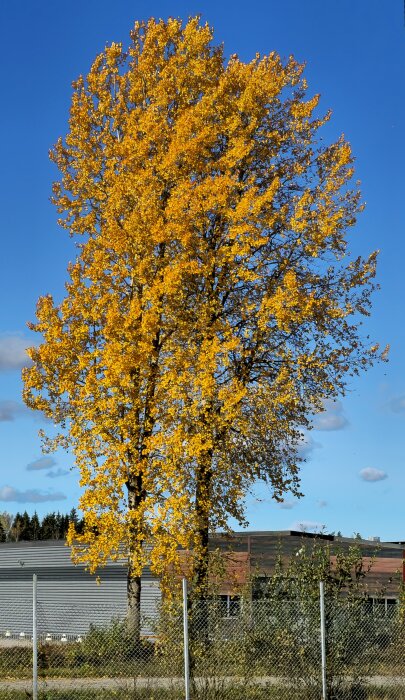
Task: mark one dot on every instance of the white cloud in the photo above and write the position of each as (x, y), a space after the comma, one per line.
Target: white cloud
(13, 352)
(330, 421)
(306, 445)
(307, 526)
(287, 505)
(56, 473)
(372, 474)
(332, 418)
(41, 463)
(10, 494)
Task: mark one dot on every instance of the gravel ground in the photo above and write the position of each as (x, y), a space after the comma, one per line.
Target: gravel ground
(165, 683)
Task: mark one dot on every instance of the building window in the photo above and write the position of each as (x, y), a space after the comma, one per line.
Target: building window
(381, 606)
(229, 605)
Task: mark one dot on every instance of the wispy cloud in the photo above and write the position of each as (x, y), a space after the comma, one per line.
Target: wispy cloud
(13, 352)
(287, 505)
(41, 463)
(10, 410)
(56, 473)
(9, 494)
(397, 404)
(372, 474)
(332, 418)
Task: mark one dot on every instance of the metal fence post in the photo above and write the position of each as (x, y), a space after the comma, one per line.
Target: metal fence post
(323, 638)
(185, 640)
(34, 640)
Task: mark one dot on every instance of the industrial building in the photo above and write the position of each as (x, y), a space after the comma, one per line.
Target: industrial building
(70, 599)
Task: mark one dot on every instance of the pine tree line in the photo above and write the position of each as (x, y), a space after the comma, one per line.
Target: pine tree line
(23, 527)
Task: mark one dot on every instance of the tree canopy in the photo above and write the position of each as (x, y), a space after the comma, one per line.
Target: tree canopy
(213, 304)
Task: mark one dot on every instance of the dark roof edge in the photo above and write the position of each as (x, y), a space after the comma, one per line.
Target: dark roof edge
(309, 535)
(230, 536)
(34, 543)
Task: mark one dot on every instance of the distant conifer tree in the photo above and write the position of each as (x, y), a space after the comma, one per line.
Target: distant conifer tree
(35, 527)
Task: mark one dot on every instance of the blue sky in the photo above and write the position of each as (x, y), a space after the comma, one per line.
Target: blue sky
(354, 477)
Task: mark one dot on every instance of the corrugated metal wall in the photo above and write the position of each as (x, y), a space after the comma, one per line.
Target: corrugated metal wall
(69, 599)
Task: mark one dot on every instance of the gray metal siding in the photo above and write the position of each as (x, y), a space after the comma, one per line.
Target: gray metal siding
(69, 598)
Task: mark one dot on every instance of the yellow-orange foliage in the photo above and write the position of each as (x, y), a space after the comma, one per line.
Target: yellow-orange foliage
(213, 304)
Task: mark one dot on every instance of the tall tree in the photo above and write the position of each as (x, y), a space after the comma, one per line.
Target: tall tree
(6, 520)
(73, 517)
(22, 527)
(49, 527)
(35, 527)
(16, 527)
(213, 304)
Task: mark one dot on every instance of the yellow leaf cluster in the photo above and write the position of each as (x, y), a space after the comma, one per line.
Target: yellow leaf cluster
(208, 310)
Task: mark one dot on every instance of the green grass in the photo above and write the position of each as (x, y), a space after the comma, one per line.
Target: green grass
(80, 661)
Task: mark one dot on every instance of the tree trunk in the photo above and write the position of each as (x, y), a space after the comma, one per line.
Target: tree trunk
(136, 494)
(202, 506)
(199, 600)
(201, 555)
(134, 586)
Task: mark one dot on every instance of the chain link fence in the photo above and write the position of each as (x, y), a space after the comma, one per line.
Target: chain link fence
(236, 649)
